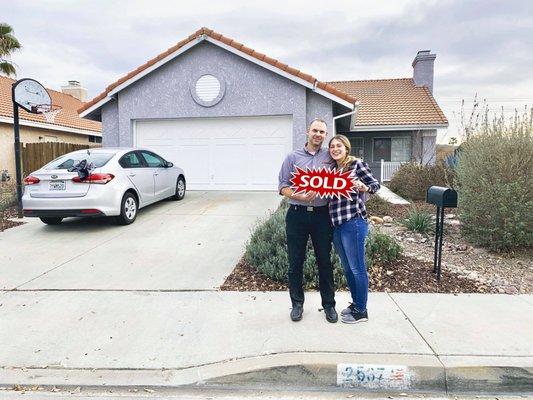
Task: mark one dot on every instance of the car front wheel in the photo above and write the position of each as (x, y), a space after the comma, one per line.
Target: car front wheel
(51, 220)
(128, 210)
(180, 189)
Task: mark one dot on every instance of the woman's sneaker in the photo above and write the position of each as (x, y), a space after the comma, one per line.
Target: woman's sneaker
(348, 310)
(355, 317)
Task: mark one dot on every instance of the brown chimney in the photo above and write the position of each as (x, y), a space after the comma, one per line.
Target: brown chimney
(75, 89)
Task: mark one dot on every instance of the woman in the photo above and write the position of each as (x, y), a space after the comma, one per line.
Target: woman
(349, 219)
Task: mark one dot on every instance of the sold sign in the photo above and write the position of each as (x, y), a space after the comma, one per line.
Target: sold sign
(327, 183)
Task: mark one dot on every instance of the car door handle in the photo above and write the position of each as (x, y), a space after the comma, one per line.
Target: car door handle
(131, 174)
(155, 173)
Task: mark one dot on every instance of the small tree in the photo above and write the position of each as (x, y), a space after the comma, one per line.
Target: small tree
(8, 45)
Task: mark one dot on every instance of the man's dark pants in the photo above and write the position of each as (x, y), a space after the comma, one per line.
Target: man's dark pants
(300, 224)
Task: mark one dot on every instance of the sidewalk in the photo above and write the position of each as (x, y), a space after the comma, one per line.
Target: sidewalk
(447, 343)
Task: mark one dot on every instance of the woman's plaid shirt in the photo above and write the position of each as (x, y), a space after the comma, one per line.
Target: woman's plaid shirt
(342, 210)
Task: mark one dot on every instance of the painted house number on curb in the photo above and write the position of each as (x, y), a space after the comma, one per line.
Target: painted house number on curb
(371, 376)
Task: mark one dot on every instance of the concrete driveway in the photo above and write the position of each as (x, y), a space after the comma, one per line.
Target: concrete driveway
(192, 244)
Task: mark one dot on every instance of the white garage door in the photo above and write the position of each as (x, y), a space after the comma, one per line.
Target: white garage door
(233, 153)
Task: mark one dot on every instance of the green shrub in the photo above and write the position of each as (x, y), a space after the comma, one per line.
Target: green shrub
(267, 251)
(412, 179)
(381, 248)
(494, 173)
(376, 206)
(418, 220)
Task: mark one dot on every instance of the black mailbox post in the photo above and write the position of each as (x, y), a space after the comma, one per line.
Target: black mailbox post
(442, 197)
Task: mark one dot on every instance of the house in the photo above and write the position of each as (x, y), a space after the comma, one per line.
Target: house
(228, 114)
(67, 126)
(397, 119)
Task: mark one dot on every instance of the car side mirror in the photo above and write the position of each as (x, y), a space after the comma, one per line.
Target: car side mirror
(168, 164)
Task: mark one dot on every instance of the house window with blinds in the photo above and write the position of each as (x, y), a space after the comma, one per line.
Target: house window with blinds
(396, 149)
(357, 147)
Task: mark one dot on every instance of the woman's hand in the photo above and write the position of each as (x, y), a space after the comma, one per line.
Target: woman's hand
(360, 186)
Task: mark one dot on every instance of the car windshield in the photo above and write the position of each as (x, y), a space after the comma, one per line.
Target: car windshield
(69, 160)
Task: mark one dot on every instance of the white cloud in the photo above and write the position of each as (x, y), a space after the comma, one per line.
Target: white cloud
(482, 46)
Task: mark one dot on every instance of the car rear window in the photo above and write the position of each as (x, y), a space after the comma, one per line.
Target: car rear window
(69, 160)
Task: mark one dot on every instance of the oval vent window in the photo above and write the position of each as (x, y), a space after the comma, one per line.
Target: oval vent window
(207, 88)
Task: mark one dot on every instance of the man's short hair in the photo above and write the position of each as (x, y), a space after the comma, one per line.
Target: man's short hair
(317, 120)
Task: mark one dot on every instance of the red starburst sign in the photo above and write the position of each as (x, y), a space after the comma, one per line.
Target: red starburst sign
(327, 183)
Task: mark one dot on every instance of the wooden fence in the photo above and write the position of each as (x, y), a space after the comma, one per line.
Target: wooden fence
(35, 155)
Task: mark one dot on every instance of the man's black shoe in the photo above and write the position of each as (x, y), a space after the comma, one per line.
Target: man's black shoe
(331, 314)
(297, 312)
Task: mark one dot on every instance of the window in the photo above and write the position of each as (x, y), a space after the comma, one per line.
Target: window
(397, 149)
(95, 139)
(357, 147)
(153, 160)
(130, 160)
(69, 160)
(48, 139)
(382, 149)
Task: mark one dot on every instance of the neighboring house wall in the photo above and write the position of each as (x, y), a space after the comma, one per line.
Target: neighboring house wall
(250, 90)
(30, 135)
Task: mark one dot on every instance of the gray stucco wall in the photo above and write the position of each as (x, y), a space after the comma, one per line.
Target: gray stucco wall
(317, 106)
(251, 90)
(110, 128)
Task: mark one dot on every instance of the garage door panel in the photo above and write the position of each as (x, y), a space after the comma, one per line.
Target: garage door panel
(233, 153)
(264, 157)
(230, 164)
(194, 160)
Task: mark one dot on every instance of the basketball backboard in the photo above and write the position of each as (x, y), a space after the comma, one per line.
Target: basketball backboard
(31, 96)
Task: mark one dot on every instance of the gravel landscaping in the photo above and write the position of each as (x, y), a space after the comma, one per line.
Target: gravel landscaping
(7, 218)
(465, 268)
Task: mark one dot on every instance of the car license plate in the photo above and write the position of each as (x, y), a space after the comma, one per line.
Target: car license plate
(57, 185)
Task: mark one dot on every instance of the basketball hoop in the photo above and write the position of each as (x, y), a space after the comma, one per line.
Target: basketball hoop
(49, 111)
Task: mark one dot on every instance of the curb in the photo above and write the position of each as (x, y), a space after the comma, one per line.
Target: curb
(391, 373)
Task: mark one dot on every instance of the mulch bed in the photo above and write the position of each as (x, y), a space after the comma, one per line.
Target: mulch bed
(5, 222)
(406, 275)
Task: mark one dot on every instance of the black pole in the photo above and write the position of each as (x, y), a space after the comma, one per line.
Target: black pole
(18, 172)
(440, 244)
(437, 227)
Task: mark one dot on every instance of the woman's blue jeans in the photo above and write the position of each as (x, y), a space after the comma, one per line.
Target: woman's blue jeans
(349, 241)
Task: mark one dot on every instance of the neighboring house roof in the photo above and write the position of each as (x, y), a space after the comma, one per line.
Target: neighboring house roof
(230, 44)
(392, 103)
(67, 120)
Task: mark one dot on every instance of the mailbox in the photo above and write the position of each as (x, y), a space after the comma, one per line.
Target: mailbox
(442, 197)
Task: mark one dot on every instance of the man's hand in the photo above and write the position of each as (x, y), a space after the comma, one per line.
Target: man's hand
(308, 196)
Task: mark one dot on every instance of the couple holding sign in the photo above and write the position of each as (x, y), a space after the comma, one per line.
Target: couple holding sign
(340, 219)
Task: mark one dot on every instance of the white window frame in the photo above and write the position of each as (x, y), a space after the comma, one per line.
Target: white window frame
(391, 139)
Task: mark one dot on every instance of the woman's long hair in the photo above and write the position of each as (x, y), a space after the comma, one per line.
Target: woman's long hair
(349, 159)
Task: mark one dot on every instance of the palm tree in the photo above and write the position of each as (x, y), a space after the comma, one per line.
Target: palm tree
(8, 44)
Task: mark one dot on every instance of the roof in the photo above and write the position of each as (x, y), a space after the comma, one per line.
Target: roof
(392, 102)
(67, 118)
(219, 38)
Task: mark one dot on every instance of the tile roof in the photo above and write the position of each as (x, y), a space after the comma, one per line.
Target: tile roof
(230, 42)
(392, 102)
(68, 117)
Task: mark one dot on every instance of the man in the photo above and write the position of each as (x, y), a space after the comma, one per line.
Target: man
(308, 216)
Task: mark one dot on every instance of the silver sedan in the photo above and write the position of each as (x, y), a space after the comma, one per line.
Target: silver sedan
(101, 182)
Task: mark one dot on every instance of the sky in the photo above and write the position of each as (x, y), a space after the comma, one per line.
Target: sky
(483, 47)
